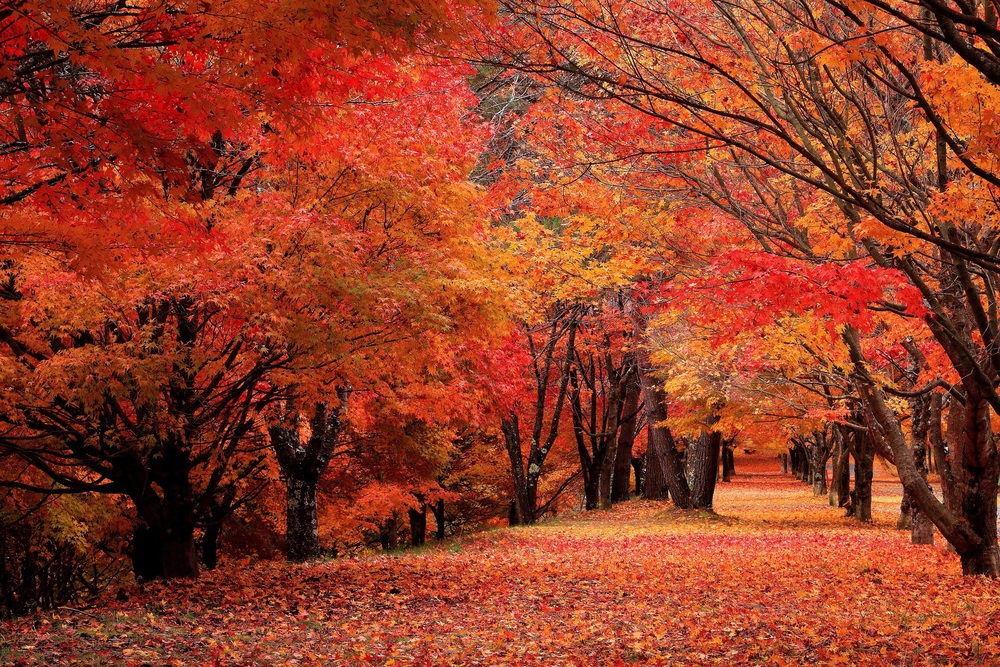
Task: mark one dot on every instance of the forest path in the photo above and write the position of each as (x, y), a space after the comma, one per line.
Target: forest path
(776, 577)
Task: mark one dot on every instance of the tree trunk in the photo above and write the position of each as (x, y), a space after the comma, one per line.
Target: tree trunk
(936, 440)
(591, 484)
(905, 520)
(302, 465)
(180, 557)
(418, 525)
(389, 533)
(664, 471)
(864, 469)
(783, 460)
(639, 467)
(439, 519)
(606, 473)
(301, 522)
(654, 481)
(522, 508)
(819, 453)
(728, 462)
(147, 550)
(841, 487)
(210, 545)
(972, 460)
(974, 465)
(626, 439)
(910, 514)
(921, 527)
(982, 561)
(703, 463)
(799, 458)
(819, 481)
(163, 544)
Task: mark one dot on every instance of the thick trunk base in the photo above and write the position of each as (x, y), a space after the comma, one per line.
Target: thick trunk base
(418, 526)
(984, 562)
(704, 466)
(302, 526)
(164, 554)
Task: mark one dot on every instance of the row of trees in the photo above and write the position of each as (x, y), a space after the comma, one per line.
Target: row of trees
(303, 262)
(853, 145)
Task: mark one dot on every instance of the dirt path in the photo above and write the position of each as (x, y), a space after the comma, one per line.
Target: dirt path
(776, 577)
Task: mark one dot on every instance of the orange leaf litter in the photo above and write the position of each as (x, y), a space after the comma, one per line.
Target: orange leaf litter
(776, 577)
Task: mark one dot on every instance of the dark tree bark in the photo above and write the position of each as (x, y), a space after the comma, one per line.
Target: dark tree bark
(163, 537)
(703, 465)
(972, 459)
(210, 546)
(212, 528)
(301, 522)
(418, 525)
(302, 464)
(864, 470)
(921, 527)
(818, 451)
(639, 469)
(798, 455)
(591, 482)
(935, 436)
(654, 481)
(905, 519)
(626, 439)
(911, 516)
(840, 488)
(389, 533)
(163, 553)
(728, 460)
(439, 519)
(783, 461)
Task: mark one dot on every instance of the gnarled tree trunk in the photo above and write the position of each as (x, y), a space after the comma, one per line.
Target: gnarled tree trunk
(302, 464)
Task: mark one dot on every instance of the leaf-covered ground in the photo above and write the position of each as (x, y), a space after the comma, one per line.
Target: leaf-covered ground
(777, 577)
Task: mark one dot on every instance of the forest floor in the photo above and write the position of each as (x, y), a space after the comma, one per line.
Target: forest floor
(775, 577)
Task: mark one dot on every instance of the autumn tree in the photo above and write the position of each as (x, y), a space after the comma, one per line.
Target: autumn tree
(145, 334)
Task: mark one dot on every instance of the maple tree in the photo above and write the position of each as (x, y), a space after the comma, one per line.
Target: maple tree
(160, 309)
